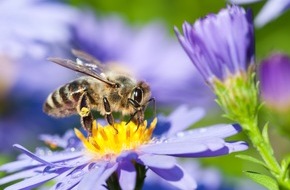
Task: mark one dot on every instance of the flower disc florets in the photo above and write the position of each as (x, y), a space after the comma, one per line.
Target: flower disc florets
(107, 141)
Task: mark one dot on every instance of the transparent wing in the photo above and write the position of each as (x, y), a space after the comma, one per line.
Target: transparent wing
(88, 59)
(85, 64)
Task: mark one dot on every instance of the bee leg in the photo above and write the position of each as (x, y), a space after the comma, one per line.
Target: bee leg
(139, 113)
(87, 119)
(131, 117)
(109, 116)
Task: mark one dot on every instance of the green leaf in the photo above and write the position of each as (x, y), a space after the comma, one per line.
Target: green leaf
(266, 137)
(251, 159)
(285, 164)
(264, 180)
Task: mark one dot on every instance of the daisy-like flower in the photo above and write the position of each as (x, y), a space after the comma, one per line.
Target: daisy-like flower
(271, 10)
(221, 47)
(108, 158)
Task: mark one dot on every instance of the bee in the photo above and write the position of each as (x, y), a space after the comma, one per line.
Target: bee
(104, 88)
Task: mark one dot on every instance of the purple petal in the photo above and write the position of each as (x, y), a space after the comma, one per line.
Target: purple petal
(32, 155)
(33, 181)
(17, 165)
(219, 130)
(230, 52)
(183, 117)
(226, 149)
(97, 177)
(20, 175)
(127, 175)
(155, 161)
(69, 158)
(271, 11)
(70, 179)
(176, 176)
(182, 147)
(190, 148)
(127, 156)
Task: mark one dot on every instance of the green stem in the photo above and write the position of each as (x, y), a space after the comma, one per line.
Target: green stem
(264, 148)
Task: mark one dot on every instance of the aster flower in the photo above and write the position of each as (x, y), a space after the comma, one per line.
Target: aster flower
(271, 10)
(124, 156)
(221, 47)
(146, 48)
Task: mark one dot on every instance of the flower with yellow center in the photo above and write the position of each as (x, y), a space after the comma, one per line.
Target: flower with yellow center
(119, 160)
(107, 141)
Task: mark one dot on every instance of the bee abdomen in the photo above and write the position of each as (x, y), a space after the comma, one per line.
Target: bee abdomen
(63, 101)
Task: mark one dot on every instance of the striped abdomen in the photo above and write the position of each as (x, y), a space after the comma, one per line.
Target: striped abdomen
(64, 101)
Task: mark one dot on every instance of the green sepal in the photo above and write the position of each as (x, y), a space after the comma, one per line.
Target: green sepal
(251, 159)
(262, 179)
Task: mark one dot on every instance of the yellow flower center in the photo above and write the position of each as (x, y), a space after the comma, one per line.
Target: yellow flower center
(109, 141)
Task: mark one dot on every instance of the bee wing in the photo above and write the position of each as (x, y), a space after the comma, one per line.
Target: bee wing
(88, 58)
(93, 69)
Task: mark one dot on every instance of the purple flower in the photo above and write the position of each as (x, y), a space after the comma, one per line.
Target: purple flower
(107, 152)
(275, 79)
(271, 10)
(220, 45)
(149, 48)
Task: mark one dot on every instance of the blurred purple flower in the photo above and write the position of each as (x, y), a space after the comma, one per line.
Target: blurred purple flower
(30, 31)
(275, 79)
(80, 167)
(220, 45)
(149, 52)
(271, 10)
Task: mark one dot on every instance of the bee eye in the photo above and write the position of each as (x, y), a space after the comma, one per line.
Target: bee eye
(137, 95)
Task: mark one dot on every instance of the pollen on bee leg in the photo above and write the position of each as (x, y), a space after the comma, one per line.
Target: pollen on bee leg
(84, 112)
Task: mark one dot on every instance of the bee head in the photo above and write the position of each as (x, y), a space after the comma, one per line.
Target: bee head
(140, 95)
